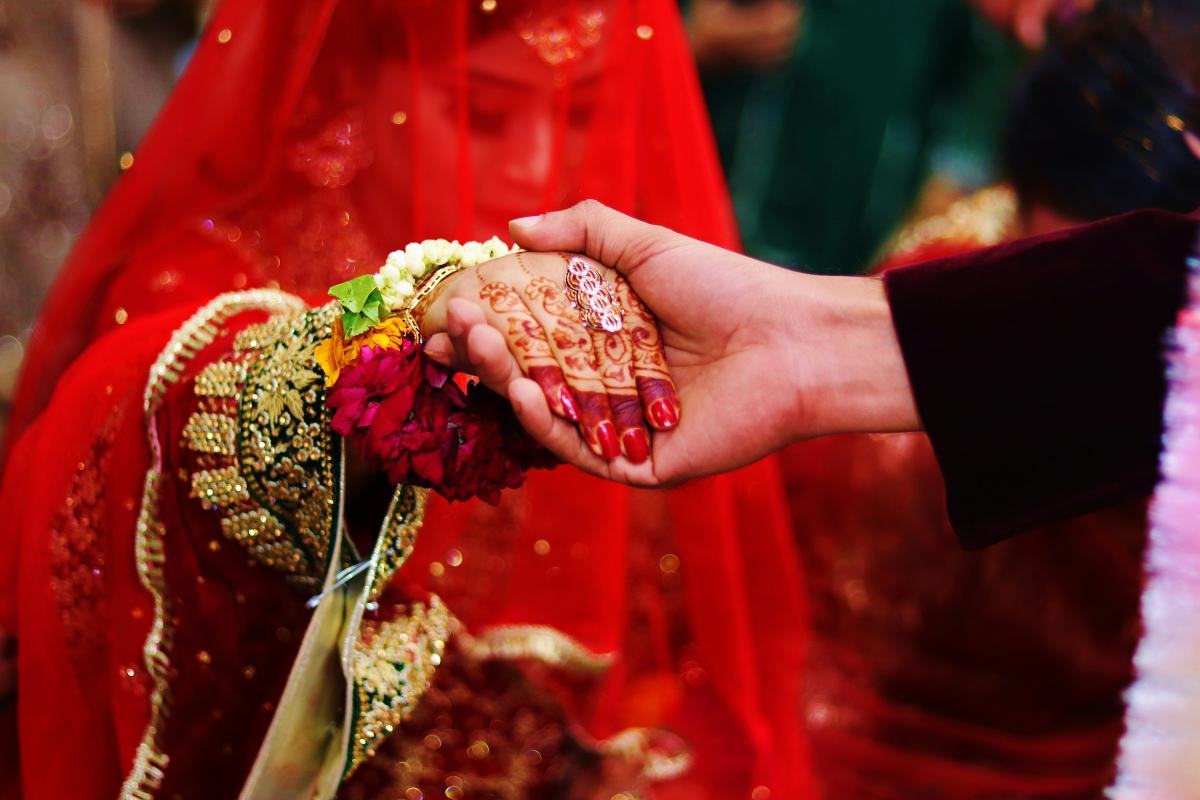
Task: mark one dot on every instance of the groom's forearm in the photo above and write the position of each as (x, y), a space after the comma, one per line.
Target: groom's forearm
(846, 358)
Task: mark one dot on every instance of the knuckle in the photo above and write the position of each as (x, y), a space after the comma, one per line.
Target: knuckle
(589, 207)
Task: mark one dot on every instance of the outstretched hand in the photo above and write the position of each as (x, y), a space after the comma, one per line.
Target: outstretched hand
(760, 356)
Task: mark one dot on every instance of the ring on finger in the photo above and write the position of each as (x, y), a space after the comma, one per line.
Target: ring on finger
(596, 301)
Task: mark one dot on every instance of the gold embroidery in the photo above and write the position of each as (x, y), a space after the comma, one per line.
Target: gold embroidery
(221, 378)
(258, 335)
(406, 514)
(211, 433)
(256, 524)
(219, 487)
(392, 665)
(539, 642)
(261, 533)
(149, 762)
(392, 661)
(274, 474)
(290, 374)
(289, 452)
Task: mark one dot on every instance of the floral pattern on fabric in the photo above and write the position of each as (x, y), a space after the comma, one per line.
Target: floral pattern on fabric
(77, 554)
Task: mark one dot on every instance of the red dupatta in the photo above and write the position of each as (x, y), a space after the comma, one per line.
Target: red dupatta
(305, 140)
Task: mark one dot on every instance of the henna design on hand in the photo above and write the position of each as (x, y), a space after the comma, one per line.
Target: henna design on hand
(571, 340)
(654, 384)
(503, 298)
(528, 343)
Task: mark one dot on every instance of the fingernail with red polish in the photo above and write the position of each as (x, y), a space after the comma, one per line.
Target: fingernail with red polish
(606, 436)
(663, 412)
(568, 404)
(637, 445)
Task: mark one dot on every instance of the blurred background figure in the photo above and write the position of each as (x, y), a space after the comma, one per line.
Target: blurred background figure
(80, 82)
(832, 116)
(906, 698)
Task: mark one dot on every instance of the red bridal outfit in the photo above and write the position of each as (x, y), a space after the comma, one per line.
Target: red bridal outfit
(936, 672)
(173, 495)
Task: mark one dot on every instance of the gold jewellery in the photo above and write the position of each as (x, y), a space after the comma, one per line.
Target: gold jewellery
(594, 298)
(413, 313)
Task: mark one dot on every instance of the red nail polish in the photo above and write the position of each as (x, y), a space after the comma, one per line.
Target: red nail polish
(568, 404)
(663, 413)
(637, 445)
(606, 436)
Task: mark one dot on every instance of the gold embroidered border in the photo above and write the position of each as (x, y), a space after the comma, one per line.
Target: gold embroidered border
(392, 666)
(150, 762)
(405, 516)
(539, 642)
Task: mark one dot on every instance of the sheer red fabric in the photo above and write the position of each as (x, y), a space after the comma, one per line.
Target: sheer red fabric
(306, 139)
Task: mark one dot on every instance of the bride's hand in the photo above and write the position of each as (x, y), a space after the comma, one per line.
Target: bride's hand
(609, 383)
(761, 356)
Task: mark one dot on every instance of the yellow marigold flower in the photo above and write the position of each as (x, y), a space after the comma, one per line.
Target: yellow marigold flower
(337, 352)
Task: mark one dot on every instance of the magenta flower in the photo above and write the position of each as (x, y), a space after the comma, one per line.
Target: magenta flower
(408, 417)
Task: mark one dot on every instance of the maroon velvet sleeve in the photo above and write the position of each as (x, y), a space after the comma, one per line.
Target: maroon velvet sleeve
(1037, 367)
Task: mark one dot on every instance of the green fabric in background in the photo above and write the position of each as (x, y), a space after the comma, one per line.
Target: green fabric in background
(826, 153)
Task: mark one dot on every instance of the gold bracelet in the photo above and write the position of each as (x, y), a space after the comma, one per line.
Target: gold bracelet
(413, 308)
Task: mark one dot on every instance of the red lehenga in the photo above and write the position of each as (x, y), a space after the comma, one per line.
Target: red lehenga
(940, 673)
(161, 540)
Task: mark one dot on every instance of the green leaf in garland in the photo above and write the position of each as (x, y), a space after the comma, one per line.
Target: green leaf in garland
(355, 292)
(361, 304)
(372, 308)
(355, 323)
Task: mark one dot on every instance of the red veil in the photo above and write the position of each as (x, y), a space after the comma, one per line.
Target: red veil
(306, 139)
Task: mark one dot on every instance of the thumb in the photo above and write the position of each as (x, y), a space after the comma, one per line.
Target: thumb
(593, 229)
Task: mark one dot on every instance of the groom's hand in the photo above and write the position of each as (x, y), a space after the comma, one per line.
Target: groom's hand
(760, 356)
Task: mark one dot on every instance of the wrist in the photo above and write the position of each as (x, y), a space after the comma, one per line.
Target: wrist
(430, 314)
(853, 378)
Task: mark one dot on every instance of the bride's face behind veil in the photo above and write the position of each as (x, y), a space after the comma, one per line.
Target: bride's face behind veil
(474, 135)
(533, 94)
